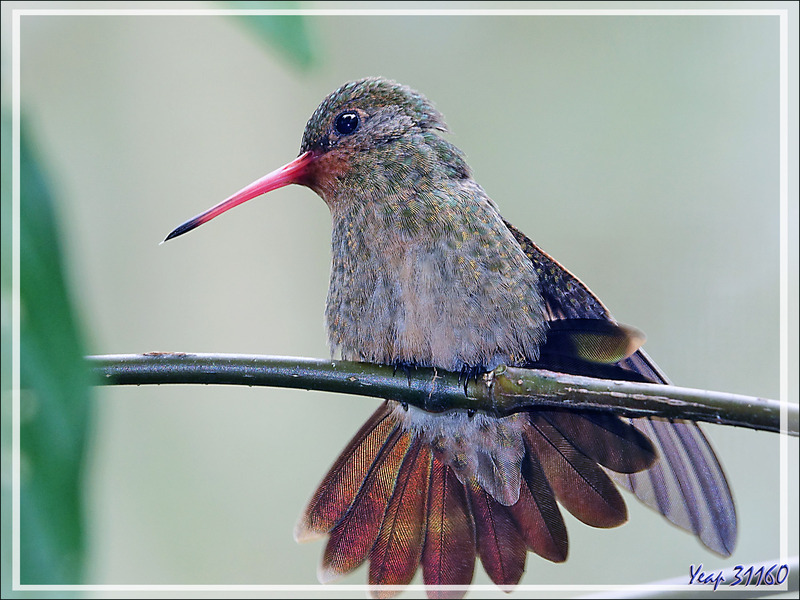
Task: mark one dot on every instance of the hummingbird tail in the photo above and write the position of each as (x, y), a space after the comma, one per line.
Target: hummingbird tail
(448, 555)
(396, 499)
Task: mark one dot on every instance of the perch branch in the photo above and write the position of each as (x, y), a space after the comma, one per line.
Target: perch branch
(499, 392)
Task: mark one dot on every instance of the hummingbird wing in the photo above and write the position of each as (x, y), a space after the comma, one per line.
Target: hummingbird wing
(687, 484)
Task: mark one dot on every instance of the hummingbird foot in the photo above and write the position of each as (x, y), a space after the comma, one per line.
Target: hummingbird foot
(405, 367)
(470, 372)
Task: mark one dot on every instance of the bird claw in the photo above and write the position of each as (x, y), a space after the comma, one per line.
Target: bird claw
(470, 372)
(405, 367)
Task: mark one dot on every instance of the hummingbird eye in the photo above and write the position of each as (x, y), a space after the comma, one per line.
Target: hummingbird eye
(347, 122)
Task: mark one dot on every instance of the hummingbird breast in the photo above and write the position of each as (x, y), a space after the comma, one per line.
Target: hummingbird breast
(431, 277)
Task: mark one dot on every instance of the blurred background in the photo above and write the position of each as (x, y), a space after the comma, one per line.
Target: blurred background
(640, 151)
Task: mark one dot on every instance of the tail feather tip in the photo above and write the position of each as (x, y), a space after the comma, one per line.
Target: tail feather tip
(303, 533)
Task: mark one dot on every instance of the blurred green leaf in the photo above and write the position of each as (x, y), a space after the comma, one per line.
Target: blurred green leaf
(54, 400)
(285, 33)
(5, 355)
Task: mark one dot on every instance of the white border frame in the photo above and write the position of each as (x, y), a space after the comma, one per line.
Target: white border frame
(17, 14)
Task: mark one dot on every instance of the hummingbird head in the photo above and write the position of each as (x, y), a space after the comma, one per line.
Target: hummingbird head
(366, 114)
(366, 138)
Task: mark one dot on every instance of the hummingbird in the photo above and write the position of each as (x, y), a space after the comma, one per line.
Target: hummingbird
(425, 272)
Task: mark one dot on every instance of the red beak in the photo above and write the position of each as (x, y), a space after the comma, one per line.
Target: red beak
(292, 172)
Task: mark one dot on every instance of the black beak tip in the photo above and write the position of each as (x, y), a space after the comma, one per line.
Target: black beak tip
(181, 229)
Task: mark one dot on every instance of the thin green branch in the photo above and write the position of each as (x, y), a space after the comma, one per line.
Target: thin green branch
(500, 392)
